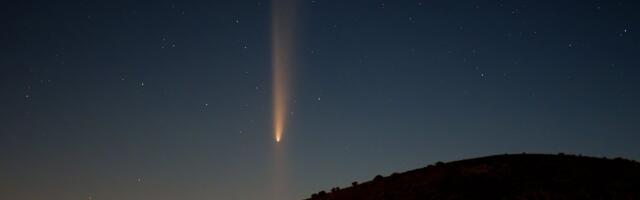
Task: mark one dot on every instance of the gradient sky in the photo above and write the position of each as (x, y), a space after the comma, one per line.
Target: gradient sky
(121, 100)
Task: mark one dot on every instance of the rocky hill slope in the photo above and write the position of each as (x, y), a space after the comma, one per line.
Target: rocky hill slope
(521, 176)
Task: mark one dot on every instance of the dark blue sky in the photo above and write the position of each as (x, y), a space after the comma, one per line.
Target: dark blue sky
(173, 100)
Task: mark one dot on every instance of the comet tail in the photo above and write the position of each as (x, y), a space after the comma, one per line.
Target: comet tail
(282, 37)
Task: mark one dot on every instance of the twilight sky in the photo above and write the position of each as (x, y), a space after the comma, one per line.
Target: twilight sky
(123, 100)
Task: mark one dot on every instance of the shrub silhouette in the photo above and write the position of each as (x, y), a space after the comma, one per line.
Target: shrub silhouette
(377, 178)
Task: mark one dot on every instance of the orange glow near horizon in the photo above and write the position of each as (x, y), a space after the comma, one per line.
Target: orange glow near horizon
(282, 36)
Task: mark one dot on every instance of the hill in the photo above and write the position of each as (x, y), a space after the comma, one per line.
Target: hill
(521, 176)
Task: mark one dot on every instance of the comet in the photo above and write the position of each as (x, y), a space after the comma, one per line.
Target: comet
(282, 41)
(283, 15)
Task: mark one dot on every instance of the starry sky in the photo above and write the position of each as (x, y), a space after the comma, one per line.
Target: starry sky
(174, 99)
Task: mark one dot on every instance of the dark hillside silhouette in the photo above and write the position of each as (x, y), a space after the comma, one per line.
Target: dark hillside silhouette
(522, 176)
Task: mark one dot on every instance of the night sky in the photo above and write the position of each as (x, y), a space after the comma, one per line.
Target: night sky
(123, 100)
